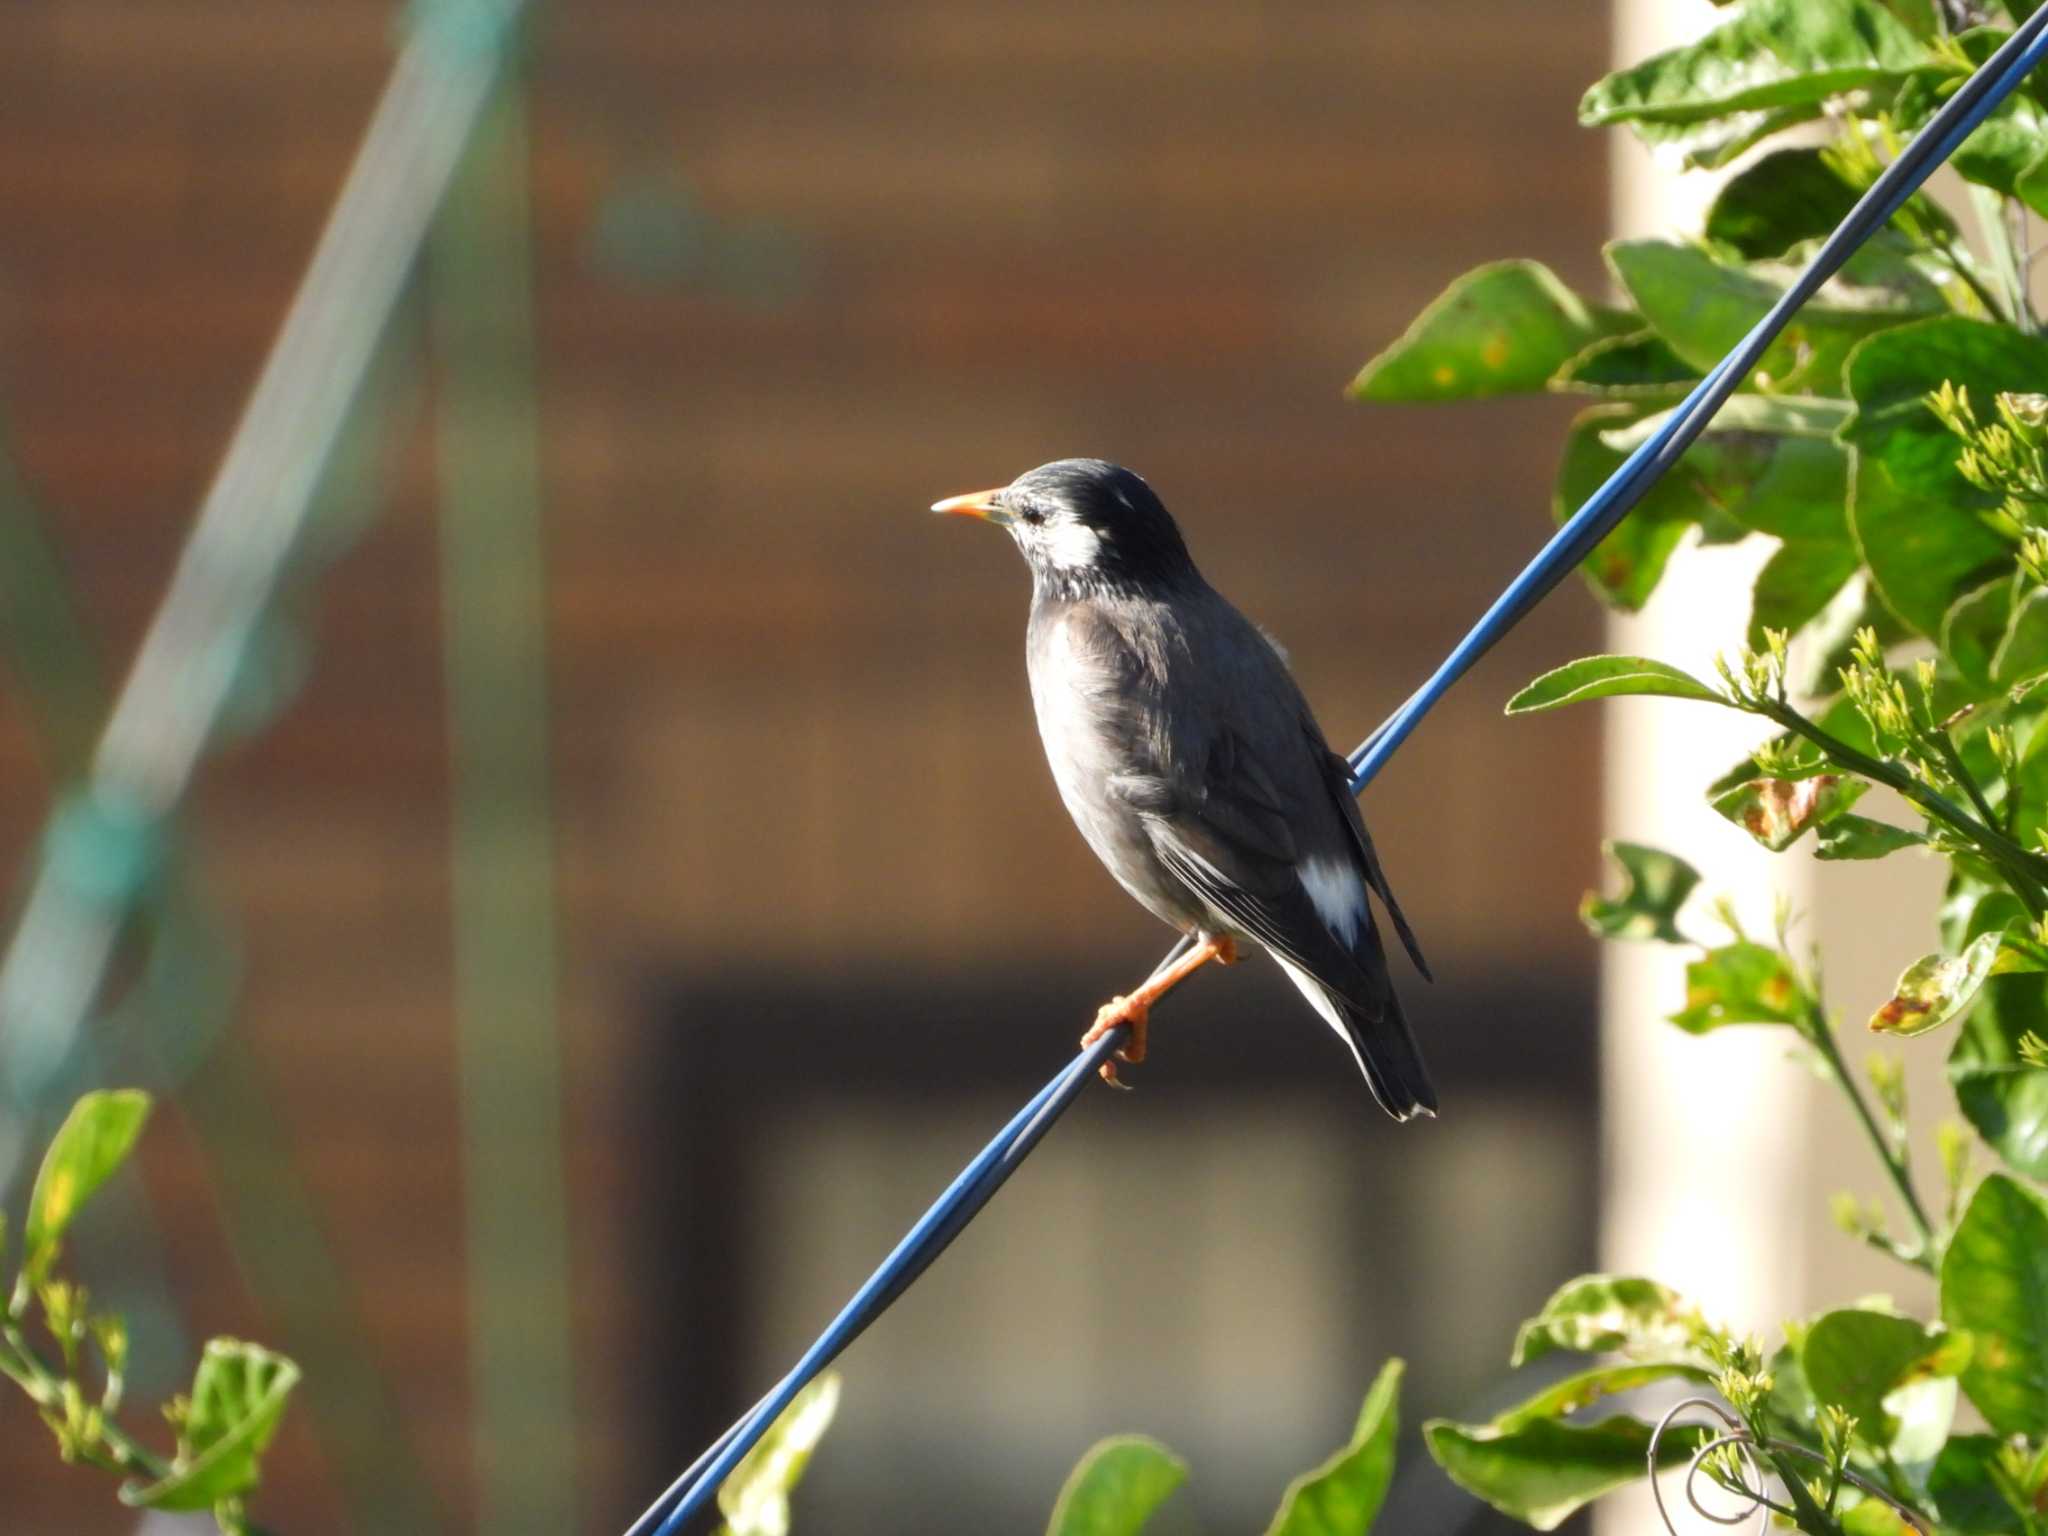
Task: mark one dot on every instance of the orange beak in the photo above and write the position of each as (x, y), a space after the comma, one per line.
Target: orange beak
(981, 504)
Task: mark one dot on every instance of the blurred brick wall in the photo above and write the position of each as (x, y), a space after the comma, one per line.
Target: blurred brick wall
(791, 723)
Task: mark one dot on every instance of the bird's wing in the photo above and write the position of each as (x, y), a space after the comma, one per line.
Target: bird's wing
(1283, 867)
(1339, 775)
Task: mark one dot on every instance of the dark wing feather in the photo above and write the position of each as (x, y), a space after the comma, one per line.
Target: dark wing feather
(1228, 838)
(1376, 877)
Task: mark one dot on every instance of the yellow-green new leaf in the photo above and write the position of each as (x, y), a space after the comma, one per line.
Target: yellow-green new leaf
(1342, 1497)
(1114, 1489)
(755, 1499)
(238, 1399)
(94, 1140)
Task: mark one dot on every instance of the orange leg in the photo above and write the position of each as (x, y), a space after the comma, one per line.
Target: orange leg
(1135, 1010)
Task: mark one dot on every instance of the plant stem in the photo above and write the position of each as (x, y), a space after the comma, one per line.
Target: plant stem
(19, 1361)
(2024, 870)
(1820, 1035)
(1945, 746)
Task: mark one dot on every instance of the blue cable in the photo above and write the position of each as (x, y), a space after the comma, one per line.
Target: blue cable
(963, 1199)
(1975, 100)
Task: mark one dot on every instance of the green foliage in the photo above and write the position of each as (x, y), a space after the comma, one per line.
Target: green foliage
(1994, 1286)
(237, 1402)
(238, 1395)
(1118, 1485)
(1115, 1487)
(1892, 449)
(1655, 886)
(1545, 1470)
(1342, 1497)
(1504, 329)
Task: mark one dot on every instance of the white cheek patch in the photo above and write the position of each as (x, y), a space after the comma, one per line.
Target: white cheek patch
(1070, 545)
(1338, 895)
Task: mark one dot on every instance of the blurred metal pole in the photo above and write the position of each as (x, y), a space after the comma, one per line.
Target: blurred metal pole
(249, 522)
(494, 604)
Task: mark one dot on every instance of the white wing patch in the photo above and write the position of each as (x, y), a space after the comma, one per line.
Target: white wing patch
(1338, 894)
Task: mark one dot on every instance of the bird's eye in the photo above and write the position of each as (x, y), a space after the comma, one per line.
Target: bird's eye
(1032, 516)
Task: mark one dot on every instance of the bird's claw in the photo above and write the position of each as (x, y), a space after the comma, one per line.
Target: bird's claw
(1128, 1013)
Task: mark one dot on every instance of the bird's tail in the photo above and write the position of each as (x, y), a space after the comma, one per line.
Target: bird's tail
(1389, 1057)
(1381, 1042)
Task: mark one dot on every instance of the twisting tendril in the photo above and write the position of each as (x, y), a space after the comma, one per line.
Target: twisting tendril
(1747, 1485)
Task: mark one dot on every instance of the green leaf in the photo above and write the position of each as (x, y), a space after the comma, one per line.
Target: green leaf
(1773, 54)
(1788, 196)
(2005, 147)
(1654, 885)
(1918, 522)
(755, 1498)
(1114, 1489)
(1342, 1497)
(1603, 677)
(238, 1398)
(1858, 837)
(1500, 330)
(1544, 1471)
(1872, 1517)
(1704, 307)
(1777, 812)
(1740, 983)
(1972, 630)
(1936, 990)
(1770, 462)
(2022, 651)
(1965, 1497)
(2031, 186)
(1854, 1359)
(1639, 364)
(1597, 1314)
(1585, 1388)
(1624, 567)
(1796, 586)
(1994, 1286)
(1709, 143)
(94, 1140)
(2004, 1098)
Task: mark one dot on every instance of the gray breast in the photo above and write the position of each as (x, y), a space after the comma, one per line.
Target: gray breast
(1100, 700)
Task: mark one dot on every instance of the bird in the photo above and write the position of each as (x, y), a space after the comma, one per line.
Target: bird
(1192, 765)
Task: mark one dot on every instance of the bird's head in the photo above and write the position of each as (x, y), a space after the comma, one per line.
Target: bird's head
(1085, 524)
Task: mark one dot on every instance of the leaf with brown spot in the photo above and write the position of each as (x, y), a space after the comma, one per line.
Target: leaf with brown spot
(1777, 812)
(1740, 983)
(1936, 989)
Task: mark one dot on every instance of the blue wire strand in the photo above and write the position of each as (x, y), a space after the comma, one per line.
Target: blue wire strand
(1975, 100)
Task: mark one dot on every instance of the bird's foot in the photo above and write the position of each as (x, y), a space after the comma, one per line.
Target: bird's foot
(1133, 1013)
(1225, 950)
